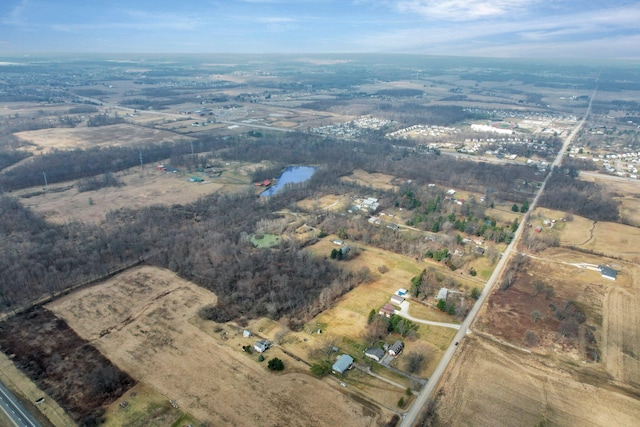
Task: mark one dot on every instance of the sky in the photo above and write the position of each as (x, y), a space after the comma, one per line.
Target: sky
(488, 28)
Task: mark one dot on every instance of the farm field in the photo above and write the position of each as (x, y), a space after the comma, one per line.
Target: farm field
(492, 385)
(147, 324)
(45, 140)
(375, 180)
(151, 187)
(627, 194)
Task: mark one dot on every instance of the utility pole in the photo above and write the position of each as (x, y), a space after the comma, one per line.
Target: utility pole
(46, 183)
(140, 154)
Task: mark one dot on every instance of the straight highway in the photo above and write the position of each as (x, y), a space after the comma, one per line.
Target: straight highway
(15, 411)
(411, 416)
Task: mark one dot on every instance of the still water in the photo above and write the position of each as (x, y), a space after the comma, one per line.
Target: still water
(291, 175)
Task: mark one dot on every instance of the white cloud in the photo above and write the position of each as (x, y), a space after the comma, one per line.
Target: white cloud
(552, 31)
(17, 15)
(462, 10)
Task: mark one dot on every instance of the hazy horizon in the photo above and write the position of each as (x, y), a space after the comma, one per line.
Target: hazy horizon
(566, 29)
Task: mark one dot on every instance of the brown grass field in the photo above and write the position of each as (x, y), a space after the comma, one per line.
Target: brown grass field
(375, 180)
(154, 187)
(613, 239)
(46, 140)
(149, 188)
(492, 385)
(627, 193)
(329, 202)
(145, 321)
(538, 385)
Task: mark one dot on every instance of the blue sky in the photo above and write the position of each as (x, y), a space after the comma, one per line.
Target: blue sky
(494, 28)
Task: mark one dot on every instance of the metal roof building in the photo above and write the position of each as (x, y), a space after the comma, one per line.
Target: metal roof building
(342, 364)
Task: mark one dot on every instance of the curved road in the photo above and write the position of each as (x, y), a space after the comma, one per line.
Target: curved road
(404, 312)
(15, 411)
(411, 416)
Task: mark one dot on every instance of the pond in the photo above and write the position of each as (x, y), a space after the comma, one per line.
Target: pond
(291, 175)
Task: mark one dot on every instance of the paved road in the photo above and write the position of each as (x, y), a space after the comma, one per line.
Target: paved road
(411, 416)
(15, 411)
(404, 312)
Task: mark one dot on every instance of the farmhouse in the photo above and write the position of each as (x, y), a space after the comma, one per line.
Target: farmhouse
(608, 272)
(387, 310)
(397, 299)
(342, 364)
(262, 346)
(371, 204)
(396, 348)
(374, 353)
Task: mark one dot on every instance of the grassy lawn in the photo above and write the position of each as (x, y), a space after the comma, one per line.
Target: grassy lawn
(427, 313)
(265, 240)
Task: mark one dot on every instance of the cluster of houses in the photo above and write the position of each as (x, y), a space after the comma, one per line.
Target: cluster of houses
(352, 129)
(398, 298)
(344, 362)
(370, 204)
(377, 353)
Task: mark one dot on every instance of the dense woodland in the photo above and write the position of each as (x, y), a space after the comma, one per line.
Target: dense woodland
(206, 241)
(566, 193)
(63, 365)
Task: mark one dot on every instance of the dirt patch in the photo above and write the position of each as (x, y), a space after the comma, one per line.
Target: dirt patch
(493, 386)
(62, 364)
(46, 140)
(146, 322)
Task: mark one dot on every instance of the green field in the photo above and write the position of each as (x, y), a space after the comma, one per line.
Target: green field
(265, 240)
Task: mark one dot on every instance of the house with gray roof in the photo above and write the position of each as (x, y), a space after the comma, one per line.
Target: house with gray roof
(342, 364)
(396, 348)
(374, 353)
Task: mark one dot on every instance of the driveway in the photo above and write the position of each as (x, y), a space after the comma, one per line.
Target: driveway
(404, 312)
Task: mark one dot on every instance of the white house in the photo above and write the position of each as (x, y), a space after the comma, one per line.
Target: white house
(262, 346)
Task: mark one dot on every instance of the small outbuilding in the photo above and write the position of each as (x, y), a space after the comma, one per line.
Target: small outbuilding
(608, 272)
(246, 334)
(397, 299)
(396, 348)
(343, 363)
(387, 310)
(442, 294)
(402, 292)
(374, 353)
